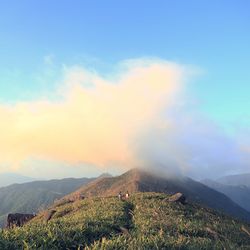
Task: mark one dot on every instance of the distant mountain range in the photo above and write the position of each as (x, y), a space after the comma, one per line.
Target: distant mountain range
(11, 178)
(37, 195)
(236, 187)
(137, 180)
(236, 180)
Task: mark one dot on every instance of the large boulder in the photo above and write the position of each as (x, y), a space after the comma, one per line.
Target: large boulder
(48, 215)
(178, 197)
(18, 219)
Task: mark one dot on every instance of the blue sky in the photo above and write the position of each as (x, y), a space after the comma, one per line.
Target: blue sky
(213, 35)
(38, 37)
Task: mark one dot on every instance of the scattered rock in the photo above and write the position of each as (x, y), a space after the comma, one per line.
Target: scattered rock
(77, 196)
(178, 197)
(219, 237)
(62, 202)
(18, 220)
(48, 215)
(63, 213)
(125, 231)
(245, 230)
(212, 232)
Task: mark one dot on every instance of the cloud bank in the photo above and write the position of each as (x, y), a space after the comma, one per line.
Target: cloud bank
(135, 117)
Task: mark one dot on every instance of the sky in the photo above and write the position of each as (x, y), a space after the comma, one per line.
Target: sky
(72, 74)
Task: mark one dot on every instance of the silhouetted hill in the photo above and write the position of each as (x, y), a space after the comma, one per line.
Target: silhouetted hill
(236, 180)
(137, 180)
(32, 196)
(238, 194)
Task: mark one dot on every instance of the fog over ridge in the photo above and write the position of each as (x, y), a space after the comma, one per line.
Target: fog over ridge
(139, 117)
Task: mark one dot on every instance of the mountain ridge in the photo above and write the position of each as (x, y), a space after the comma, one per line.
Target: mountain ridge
(137, 180)
(235, 180)
(7, 179)
(238, 194)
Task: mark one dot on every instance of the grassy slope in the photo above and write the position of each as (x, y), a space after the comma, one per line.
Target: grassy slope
(151, 221)
(138, 180)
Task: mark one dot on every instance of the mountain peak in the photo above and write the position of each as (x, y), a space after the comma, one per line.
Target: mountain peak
(104, 175)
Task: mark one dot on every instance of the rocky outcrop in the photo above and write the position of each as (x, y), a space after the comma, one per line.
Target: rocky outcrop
(18, 219)
(178, 197)
(48, 215)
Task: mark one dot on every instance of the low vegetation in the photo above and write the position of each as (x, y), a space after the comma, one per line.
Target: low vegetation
(144, 221)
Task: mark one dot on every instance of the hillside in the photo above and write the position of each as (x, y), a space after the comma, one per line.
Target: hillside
(32, 196)
(137, 180)
(238, 194)
(145, 221)
(236, 180)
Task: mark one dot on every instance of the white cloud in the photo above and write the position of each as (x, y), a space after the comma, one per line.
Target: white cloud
(137, 116)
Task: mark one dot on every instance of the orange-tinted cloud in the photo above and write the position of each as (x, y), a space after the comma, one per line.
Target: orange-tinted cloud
(95, 120)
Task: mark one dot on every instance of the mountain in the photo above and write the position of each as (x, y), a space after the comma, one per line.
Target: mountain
(144, 221)
(137, 180)
(11, 178)
(33, 196)
(238, 194)
(235, 180)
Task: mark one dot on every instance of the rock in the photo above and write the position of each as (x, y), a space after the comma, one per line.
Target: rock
(245, 230)
(18, 220)
(48, 215)
(79, 196)
(178, 197)
(62, 202)
(124, 231)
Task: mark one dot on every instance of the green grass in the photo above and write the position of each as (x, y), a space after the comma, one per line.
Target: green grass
(145, 221)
